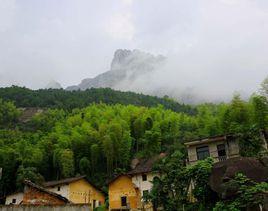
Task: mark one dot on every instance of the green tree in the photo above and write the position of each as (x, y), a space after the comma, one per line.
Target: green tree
(199, 174)
(264, 88)
(169, 191)
(84, 166)
(236, 117)
(64, 162)
(249, 194)
(29, 173)
(260, 111)
(8, 114)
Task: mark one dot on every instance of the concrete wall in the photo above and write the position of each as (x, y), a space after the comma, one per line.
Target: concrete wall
(45, 208)
(232, 150)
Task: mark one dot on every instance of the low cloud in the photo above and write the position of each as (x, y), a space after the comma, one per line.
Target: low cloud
(214, 48)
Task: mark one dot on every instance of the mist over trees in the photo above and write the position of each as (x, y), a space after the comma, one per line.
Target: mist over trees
(68, 100)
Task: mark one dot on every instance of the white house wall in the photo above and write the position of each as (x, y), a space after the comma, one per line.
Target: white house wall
(64, 190)
(144, 185)
(17, 196)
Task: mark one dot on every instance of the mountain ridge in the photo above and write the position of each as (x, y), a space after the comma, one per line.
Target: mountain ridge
(126, 66)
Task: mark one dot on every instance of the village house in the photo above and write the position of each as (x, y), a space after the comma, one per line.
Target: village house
(219, 148)
(126, 191)
(78, 190)
(123, 194)
(36, 195)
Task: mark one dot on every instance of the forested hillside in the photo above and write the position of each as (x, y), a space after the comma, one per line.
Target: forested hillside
(62, 99)
(100, 140)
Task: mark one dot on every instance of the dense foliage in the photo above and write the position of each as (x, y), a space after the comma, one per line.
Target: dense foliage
(183, 187)
(250, 195)
(75, 137)
(68, 100)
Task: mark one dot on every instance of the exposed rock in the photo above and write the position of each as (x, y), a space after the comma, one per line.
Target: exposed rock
(223, 172)
(134, 163)
(119, 58)
(28, 113)
(126, 66)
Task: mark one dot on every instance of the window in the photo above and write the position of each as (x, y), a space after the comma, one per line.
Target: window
(145, 193)
(14, 201)
(94, 204)
(144, 177)
(221, 150)
(59, 188)
(202, 152)
(123, 201)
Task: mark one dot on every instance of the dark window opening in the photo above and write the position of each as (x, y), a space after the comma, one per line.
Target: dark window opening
(202, 152)
(123, 201)
(94, 204)
(144, 177)
(145, 193)
(221, 152)
(14, 201)
(58, 188)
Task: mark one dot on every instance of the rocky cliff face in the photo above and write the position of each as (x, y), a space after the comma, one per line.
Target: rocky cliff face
(126, 67)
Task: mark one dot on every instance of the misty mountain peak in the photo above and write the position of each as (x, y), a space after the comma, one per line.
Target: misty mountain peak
(53, 85)
(120, 56)
(133, 59)
(126, 67)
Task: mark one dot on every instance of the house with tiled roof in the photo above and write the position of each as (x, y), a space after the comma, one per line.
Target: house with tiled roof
(123, 194)
(75, 190)
(79, 190)
(33, 194)
(126, 191)
(36, 195)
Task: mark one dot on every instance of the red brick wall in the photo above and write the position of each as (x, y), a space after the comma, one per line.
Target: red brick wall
(37, 197)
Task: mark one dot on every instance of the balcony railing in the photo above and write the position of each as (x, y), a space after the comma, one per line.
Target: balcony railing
(217, 159)
(222, 158)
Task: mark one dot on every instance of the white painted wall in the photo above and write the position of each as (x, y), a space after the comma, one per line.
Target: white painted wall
(17, 196)
(144, 185)
(64, 190)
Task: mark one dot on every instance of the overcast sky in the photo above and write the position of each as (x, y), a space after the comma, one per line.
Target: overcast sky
(221, 42)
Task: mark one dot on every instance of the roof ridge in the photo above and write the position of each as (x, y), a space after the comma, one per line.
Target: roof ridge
(62, 181)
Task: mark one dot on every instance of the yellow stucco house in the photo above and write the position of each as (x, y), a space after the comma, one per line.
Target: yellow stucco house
(78, 190)
(126, 191)
(123, 195)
